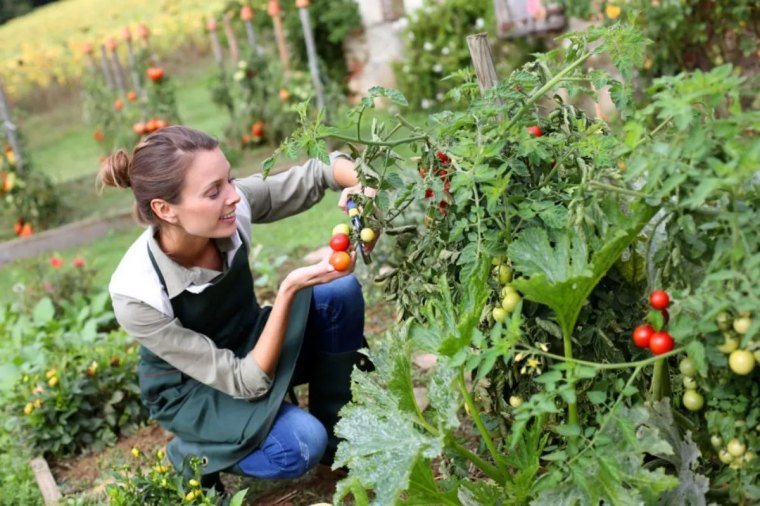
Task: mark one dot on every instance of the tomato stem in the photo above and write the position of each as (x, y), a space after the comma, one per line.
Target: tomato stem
(572, 407)
(616, 189)
(397, 142)
(470, 403)
(598, 365)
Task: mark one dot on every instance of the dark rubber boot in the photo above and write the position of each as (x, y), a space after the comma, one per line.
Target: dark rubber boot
(329, 391)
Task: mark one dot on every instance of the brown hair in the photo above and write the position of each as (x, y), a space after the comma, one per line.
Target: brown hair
(157, 167)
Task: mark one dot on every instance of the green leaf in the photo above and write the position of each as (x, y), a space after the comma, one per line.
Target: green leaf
(563, 275)
(237, 499)
(568, 430)
(423, 489)
(43, 312)
(596, 397)
(394, 96)
(444, 396)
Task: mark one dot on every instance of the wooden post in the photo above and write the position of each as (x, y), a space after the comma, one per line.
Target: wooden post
(132, 64)
(216, 48)
(105, 67)
(246, 14)
(482, 60)
(311, 52)
(10, 131)
(274, 10)
(231, 40)
(50, 493)
(118, 72)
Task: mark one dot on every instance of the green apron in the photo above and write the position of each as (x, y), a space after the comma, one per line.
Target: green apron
(208, 423)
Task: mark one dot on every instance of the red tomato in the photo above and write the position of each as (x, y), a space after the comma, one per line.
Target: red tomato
(642, 334)
(659, 299)
(155, 74)
(340, 260)
(442, 157)
(660, 342)
(339, 242)
(535, 131)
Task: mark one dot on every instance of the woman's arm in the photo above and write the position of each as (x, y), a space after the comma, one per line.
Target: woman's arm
(266, 352)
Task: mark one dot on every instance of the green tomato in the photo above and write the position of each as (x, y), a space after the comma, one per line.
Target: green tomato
(689, 383)
(736, 448)
(742, 325)
(730, 344)
(693, 400)
(341, 228)
(509, 303)
(716, 441)
(723, 320)
(515, 401)
(756, 354)
(688, 367)
(505, 274)
(506, 290)
(498, 314)
(741, 362)
(725, 457)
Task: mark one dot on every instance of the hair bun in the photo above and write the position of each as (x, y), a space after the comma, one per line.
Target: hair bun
(115, 169)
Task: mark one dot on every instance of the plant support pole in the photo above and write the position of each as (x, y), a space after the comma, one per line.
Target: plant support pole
(482, 60)
(311, 52)
(275, 12)
(104, 66)
(231, 40)
(10, 131)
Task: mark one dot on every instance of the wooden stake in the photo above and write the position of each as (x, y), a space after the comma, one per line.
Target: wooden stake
(105, 67)
(311, 52)
(133, 67)
(10, 131)
(482, 60)
(118, 70)
(216, 48)
(274, 10)
(50, 493)
(231, 40)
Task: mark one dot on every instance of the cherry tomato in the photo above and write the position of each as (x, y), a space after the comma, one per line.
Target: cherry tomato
(688, 368)
(339, 242)
(442, 157)
(659, 299)
(693, 400)
(689, 383)
(510, 301)
(505, 274)
(499, 314)
(742, 324)
(736, 448)
(660, 342)
(341, 228)
(642, 335)
(367, 235)
(742, 362)
(515, 401)
(716, 441)
(535, 131)
(725, 457)
(340, 260)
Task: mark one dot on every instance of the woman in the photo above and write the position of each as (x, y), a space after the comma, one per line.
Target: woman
(215, 366)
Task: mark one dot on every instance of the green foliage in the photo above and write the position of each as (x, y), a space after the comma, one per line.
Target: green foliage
(588, 218)
(150, 480)
(689, 34)
(436, 47)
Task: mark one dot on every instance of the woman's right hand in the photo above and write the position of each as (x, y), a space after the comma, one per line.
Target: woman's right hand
(318, 273)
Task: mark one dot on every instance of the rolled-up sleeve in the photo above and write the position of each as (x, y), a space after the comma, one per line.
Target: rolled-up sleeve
(289, 192)
(194, 354)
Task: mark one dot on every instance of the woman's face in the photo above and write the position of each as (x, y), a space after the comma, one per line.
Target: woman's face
(208, 200)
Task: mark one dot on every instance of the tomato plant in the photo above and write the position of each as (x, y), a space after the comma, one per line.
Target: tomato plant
(589, 218)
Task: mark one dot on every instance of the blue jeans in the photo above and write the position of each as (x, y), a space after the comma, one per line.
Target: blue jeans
(297, 440)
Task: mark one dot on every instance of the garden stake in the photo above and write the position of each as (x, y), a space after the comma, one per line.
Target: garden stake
(275, 12)
(133, 66)
(216, 48)
(311, 52)
(231, 40)
(250, 32)
(104, 67)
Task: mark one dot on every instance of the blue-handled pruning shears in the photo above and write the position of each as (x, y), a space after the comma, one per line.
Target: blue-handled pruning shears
(356, 221)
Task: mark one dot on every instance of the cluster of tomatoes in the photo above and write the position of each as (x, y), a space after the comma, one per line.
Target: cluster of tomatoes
(692, 399)
(341, 242)
(146, 127)
(508, 296)
(733, 327)
(23, 229)
(659, 341)
(439, 168)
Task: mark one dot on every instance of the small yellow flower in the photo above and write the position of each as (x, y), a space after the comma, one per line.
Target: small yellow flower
(28, 409)
(53, 381)
(38, 403)
(160, 454)
(135, 452)
(192, 495)
(519, 357)
(543, 346)
(533, 363)
(52, 372)
(612, 11)
(164, 483)
(161, 469)
(194, 483)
